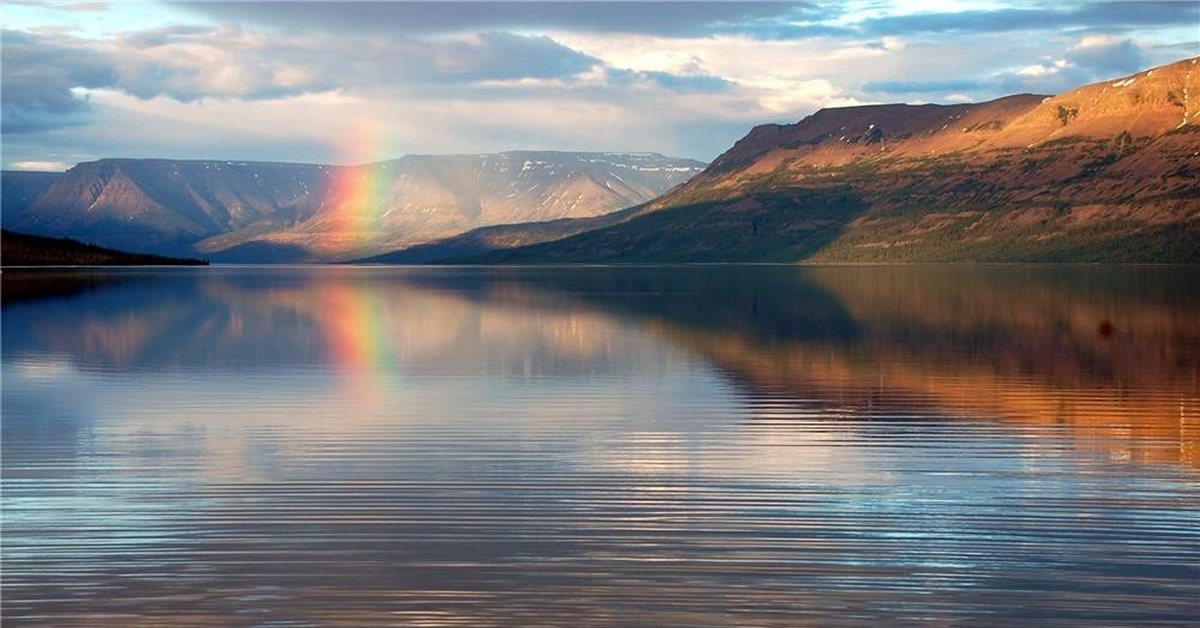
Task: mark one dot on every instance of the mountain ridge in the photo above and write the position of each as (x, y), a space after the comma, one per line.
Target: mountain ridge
(1105, 172)
(228, 209)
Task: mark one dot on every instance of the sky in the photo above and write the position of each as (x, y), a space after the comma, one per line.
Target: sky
(355, 82)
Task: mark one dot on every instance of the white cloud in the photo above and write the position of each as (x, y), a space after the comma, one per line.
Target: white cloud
(356, 127)
(46, 166)
(1044, 69)
(1098, 41)
(789, 96)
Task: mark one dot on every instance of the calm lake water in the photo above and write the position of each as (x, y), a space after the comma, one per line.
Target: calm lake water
(636, 446)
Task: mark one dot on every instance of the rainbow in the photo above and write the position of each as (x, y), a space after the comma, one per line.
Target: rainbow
(356, 332)
(358, 202)
(359, 192)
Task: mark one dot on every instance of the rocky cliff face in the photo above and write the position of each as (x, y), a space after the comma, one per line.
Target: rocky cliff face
(248, 211)
(1106, 172)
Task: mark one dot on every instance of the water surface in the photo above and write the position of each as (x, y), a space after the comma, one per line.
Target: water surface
(696, 445)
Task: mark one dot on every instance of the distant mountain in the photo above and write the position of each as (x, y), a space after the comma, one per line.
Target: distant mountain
(485, 240)
(167, 206)
(1106, 172)
(19, 189)
(251, 211)
(18, 249)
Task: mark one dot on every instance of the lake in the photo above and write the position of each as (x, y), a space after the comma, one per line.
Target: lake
(686, 445)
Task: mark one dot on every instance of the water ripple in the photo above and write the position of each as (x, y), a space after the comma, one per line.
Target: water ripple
(500, 449)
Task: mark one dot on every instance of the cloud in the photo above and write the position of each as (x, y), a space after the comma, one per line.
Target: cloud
(660, 18)
(203, 87)
(80, 7)
(1047, 68)
(1064, 62)
(293, 80)
(1106, 55)
(338, 128)
(682, 83)
(1089, 16)
(39, 83)
(73, 7)
(767, 21)
(177, 33)
(43, 72)
(40, 166)
(1091, 59)
(499, 56)
(923, 87)
(188, 63)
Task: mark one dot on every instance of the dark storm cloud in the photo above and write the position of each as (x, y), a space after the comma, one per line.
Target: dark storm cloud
(1092, 17)
(38, 79)
(500, 56)
(657, 18)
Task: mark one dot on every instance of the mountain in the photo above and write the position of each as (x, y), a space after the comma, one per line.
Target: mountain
(485, 240)
(166, 206)
(18, 190)
(19, 249)
(1105, 172)
(252, 211)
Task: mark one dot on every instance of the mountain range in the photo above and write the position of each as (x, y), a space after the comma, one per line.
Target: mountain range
(283, 212)
(1107, 172)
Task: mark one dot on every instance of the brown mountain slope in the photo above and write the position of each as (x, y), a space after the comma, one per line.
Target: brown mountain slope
(1106, 172)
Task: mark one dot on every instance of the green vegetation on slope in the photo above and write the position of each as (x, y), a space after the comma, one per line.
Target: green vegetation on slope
(779, 226)
(1007, 208)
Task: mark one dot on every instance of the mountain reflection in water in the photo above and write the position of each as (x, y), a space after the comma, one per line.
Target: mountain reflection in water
(630, 445)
